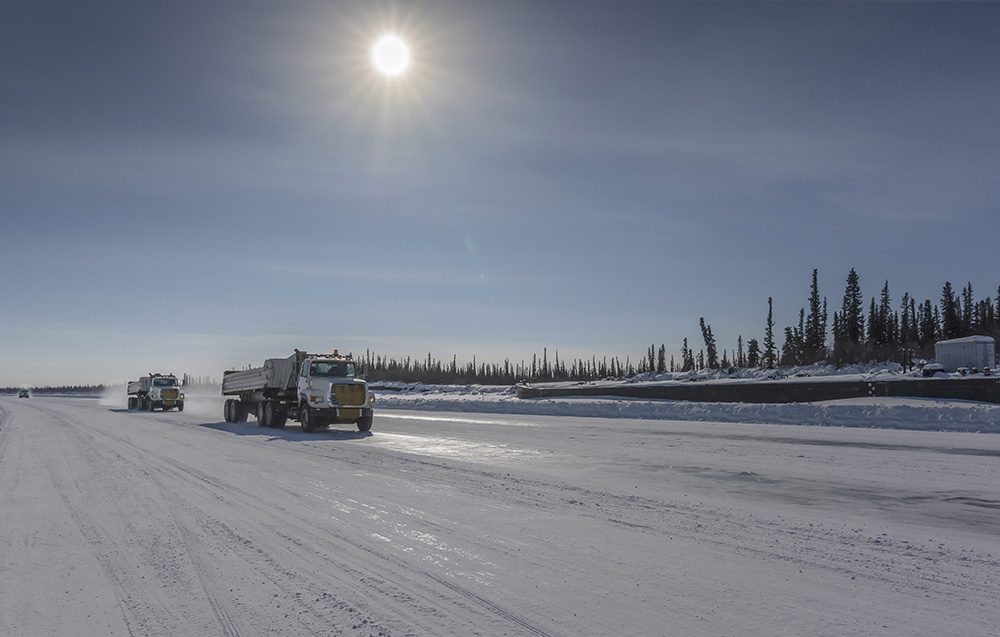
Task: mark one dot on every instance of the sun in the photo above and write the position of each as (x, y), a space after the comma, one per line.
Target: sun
(391, 56)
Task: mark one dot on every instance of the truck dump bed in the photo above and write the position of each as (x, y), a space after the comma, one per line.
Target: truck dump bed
(277, 374)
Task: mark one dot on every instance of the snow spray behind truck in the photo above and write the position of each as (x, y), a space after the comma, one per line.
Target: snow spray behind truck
(315, 389)
(155, 390)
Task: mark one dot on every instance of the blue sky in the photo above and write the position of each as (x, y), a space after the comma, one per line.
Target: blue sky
(191, 186)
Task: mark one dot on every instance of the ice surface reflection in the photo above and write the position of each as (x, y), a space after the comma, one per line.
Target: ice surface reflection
(451, 447)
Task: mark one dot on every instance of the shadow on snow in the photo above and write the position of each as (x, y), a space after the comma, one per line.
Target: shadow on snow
(293, 433)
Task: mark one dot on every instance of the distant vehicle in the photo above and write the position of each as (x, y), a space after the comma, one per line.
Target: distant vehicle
(315, 389)
(933, 368)
(23, 393)
(155, 391)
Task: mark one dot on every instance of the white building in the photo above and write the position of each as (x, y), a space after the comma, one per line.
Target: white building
(971, 351)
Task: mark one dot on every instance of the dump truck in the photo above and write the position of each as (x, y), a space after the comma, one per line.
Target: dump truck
(155, 391)
(317, 390)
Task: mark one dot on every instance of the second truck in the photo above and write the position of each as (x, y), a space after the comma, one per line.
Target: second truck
(154, 391)
(315, 389)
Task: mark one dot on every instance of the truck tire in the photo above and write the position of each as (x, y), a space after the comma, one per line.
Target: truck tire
(131, 403)
(261, 415)
(271, 410)
(307, 420)
(180, 406)
(240, 411)
(278, 416)
(227, 410)
(365, 422)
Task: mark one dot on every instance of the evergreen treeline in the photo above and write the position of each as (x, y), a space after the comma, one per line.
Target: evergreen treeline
(433, 371)
(94, 389)
(887, 332)
(850, 335)
(65, 389)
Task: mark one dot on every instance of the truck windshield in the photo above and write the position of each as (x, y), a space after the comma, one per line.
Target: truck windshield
(164, 382)
(332, 368)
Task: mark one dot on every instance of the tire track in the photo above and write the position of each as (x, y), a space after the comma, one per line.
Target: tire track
(407, 576)
(110, 538)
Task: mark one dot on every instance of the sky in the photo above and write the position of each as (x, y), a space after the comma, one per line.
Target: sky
(195, 186)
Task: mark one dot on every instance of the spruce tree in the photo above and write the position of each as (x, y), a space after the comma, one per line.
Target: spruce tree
(994, 327)
(951, 319)
(968, 311)
(753, 353)
(788, 358)
(906, 333)
(769, 345)
(687, 357)
(815, 329)
(886, 318)
(927, 325)
(849, 324)
(874, 325)
(712, 359)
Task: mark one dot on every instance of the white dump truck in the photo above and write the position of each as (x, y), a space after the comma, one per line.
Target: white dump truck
(155, 391)
(315, 389)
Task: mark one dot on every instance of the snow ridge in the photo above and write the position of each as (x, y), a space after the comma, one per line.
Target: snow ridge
(925, 414)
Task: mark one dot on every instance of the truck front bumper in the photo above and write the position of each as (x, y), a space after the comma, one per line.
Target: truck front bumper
(340, 414)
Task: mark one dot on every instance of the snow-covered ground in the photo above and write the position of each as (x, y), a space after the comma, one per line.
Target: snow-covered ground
(885, 412)
(483, 520)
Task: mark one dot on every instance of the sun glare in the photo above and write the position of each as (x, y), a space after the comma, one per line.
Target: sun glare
(391, 56)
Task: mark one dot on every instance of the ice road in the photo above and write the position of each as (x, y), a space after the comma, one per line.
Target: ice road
(119, 523)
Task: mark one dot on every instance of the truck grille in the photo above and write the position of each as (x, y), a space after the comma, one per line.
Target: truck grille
(168, 394)
(349, 394)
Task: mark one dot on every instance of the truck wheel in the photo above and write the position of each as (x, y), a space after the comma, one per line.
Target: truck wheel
(131, 403)
(307, 420)
(365, 423)
(180, 406)
(269, 410)
(240, 411)
(278, 417)
(261, 416)
(227, 410)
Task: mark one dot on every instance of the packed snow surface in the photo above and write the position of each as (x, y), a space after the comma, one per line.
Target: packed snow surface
(487, 520)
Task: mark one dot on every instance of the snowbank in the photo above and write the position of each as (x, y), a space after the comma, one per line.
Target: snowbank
(888, 413)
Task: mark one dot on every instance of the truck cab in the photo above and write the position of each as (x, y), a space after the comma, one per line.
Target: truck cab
(154, 391)
(330, 391)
